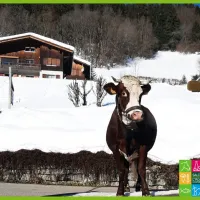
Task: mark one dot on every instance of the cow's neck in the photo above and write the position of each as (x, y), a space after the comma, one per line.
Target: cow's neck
(133, 126)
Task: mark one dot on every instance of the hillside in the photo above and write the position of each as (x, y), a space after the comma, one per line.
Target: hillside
(107, 35)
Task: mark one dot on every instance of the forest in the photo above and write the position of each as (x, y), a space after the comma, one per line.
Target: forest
(109, 35)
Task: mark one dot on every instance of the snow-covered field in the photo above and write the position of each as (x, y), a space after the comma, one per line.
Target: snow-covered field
(164, 65)
(43, 117)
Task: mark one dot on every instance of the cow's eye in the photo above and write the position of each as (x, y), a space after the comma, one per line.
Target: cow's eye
(124, 94)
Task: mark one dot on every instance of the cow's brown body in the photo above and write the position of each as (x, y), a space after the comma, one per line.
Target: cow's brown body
(138, 137)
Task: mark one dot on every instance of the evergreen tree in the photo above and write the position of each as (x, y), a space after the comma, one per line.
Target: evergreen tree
(195, 77)
(183, 81)
(166, 26)
(195, 35)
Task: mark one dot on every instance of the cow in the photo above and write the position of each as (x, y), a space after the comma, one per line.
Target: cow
(131, 131)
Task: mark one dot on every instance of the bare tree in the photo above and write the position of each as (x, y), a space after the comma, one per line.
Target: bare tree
(198, 67)
(135, 66)
(6, 27)
(99, 92)
(187, 18)
(145, 37)
(84, 93)
(74, 93)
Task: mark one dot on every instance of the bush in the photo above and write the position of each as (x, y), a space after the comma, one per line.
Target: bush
(74, 93)
(84, 93)
(183, 81)
(99, 91)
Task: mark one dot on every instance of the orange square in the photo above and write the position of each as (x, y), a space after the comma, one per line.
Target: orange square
(185, 178)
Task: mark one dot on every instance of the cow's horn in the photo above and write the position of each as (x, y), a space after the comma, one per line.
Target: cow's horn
(116, 80)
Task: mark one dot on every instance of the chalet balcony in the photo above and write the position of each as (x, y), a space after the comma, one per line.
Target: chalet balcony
(21, 69)
(51, 68)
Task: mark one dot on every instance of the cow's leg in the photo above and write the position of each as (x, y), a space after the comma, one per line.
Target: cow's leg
(121, 170)
(142, 169)
(138, 184)
(126, 183)
(121, 166)
(135, 177)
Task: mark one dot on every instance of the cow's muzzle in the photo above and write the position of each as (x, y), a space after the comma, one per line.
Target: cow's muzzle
(134, 113)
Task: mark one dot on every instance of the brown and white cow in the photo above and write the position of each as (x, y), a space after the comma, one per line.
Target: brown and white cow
(131, 132)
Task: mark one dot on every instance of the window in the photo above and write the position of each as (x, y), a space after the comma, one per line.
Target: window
(9, 61)
(51, 76)
(51, 62)
(29, 49)
(48, 76)
(29, 61)
(77, 70)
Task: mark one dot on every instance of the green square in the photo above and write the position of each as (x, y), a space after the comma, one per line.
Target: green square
(185, 190)
(196, 178)
(185, 166)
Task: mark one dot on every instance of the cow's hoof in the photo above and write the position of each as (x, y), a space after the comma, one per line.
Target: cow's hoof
(127, 188)
(120, 193)
(146, 193)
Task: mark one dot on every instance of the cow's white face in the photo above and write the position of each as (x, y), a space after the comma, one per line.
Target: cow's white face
(129, 92)
(133, 90)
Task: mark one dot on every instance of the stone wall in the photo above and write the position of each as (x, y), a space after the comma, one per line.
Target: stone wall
(83, 168)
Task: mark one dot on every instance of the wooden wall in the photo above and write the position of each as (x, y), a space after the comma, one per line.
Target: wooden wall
(26, 55)
(51, 59)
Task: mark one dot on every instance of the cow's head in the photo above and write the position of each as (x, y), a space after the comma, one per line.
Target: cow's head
(129, 91)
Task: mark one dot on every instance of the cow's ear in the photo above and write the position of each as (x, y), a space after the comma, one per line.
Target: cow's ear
(146, 88)
(110, 88)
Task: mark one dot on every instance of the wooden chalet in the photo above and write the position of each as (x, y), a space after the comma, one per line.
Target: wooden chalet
(33, 55)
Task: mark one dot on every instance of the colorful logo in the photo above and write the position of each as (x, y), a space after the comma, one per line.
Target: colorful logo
(189, 178)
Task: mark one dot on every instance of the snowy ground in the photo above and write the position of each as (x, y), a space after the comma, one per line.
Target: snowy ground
(42, 116)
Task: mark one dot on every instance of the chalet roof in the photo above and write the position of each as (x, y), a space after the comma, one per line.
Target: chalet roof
(37, 37)
(82, 60)
(44, 39)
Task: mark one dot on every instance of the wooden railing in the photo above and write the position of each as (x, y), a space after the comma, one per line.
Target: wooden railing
(52, 68)
(21, 66)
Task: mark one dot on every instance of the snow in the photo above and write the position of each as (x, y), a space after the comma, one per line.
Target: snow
(44, 118)
(82, 60)
(165, 65)
(39, 37)
(153, 193)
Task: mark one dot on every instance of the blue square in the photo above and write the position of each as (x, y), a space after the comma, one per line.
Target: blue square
(196, 190)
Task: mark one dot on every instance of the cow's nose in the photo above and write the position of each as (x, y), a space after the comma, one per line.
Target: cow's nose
(136, 115)
(130, 110)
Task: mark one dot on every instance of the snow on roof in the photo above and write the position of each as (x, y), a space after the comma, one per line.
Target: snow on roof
(82, 60)
(46, 39)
